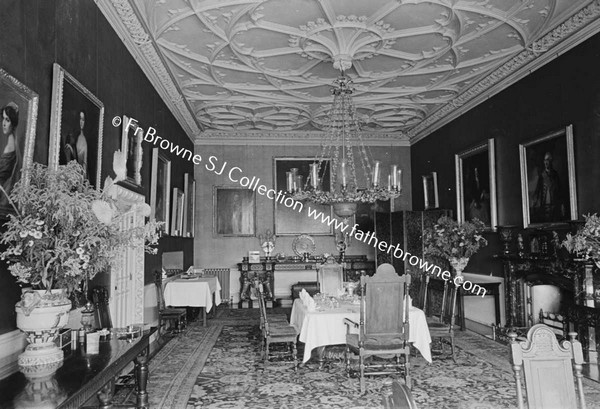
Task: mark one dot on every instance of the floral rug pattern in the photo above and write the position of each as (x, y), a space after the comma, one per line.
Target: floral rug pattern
(219, 366)
(235, 377)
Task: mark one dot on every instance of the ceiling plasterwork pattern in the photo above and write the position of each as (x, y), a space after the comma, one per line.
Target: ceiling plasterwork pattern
(247, 68)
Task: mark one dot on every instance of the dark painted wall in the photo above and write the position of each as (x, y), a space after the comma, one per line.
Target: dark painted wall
(565, 91)
(74, 33)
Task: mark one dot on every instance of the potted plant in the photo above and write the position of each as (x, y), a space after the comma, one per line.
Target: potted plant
(454, 242)
(62, 234)
(586, 242)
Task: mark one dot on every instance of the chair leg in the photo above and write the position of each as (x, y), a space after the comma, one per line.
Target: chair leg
(348, 361)
(294, 355)
(408, 378)
(363, 386)
(266, 352)
(452, 347)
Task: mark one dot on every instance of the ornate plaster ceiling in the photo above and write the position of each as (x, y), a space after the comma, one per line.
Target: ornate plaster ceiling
(232, 69)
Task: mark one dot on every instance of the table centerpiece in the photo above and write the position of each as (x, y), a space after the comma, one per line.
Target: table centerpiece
(62, 234)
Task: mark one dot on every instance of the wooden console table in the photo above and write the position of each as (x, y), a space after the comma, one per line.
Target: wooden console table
(266, 270)
(80, 377)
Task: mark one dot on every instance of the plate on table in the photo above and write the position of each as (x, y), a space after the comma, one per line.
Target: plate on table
(304, 244)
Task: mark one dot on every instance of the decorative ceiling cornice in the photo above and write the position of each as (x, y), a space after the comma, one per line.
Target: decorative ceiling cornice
(256, 72)
(576, 29)
(291, 138)
(126, 23)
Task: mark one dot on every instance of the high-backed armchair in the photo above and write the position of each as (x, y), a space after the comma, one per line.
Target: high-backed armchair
(176, 315)
(443, 323)
(548, 368)
(383, 329)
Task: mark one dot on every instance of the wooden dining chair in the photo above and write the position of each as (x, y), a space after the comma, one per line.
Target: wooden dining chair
(383, 329)
(275, 333)
(548, 368)
(330, 276)
(177, 316)
(100, 298)
(421, 301)
(442, 325)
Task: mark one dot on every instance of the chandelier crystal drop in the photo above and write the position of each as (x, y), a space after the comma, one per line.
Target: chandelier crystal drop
(355, 176)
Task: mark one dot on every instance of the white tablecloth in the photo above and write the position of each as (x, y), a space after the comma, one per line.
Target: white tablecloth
(319, 328)
(193, 292)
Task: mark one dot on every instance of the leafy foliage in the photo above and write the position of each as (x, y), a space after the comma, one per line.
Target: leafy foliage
(448, 239)
(65, 231)
(586, 242)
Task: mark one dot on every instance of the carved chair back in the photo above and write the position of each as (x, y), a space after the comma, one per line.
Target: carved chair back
(548, 369)
(384, 307)
(160, 295)
(447, 312)
(331, 278)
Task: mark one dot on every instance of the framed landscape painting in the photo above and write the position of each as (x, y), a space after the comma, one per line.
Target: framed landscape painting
(177, 212)
(476, 184)
(76, 125)
(234, 211)
(548, 179)
(292, 221)
(160, 189)
(19, 108)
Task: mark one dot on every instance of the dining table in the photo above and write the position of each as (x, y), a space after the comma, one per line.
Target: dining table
(324, 326)
(194, 291)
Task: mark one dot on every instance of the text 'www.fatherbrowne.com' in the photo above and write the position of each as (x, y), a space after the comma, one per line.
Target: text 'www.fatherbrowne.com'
(236, 175)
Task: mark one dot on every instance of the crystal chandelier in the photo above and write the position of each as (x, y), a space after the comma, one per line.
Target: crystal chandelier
(355, 176)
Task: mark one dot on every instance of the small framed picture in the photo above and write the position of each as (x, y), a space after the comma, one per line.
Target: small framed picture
(160, 189)
(548, 179)
(430, 189)
(476, 184)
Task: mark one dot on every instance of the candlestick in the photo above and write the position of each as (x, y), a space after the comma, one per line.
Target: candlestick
(376, 173)
(289, 181)
(314, 175)
(400, 179)
(394, 175)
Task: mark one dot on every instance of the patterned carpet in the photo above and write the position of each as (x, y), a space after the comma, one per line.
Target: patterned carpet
(219, 367)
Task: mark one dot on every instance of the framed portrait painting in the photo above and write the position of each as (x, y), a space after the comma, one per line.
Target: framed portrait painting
(19, 108)
(430, 191)
(160, 189)
(293, 219)
(76, 125)
(131, 145)
(189, 190)
(548, 179)
(476, 184)
(234, 211)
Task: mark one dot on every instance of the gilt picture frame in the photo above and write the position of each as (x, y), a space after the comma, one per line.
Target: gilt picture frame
(293, 220)
(160, 190)
(476, 184)
(23, 103)
(76, 125)
(234, 212)
(430, 191)
(548, 185)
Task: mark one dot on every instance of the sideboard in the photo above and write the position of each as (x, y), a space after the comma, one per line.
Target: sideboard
(278, 276)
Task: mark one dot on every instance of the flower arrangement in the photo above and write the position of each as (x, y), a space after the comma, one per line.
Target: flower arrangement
(586, 242)
(64, 231)
(448, 239)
